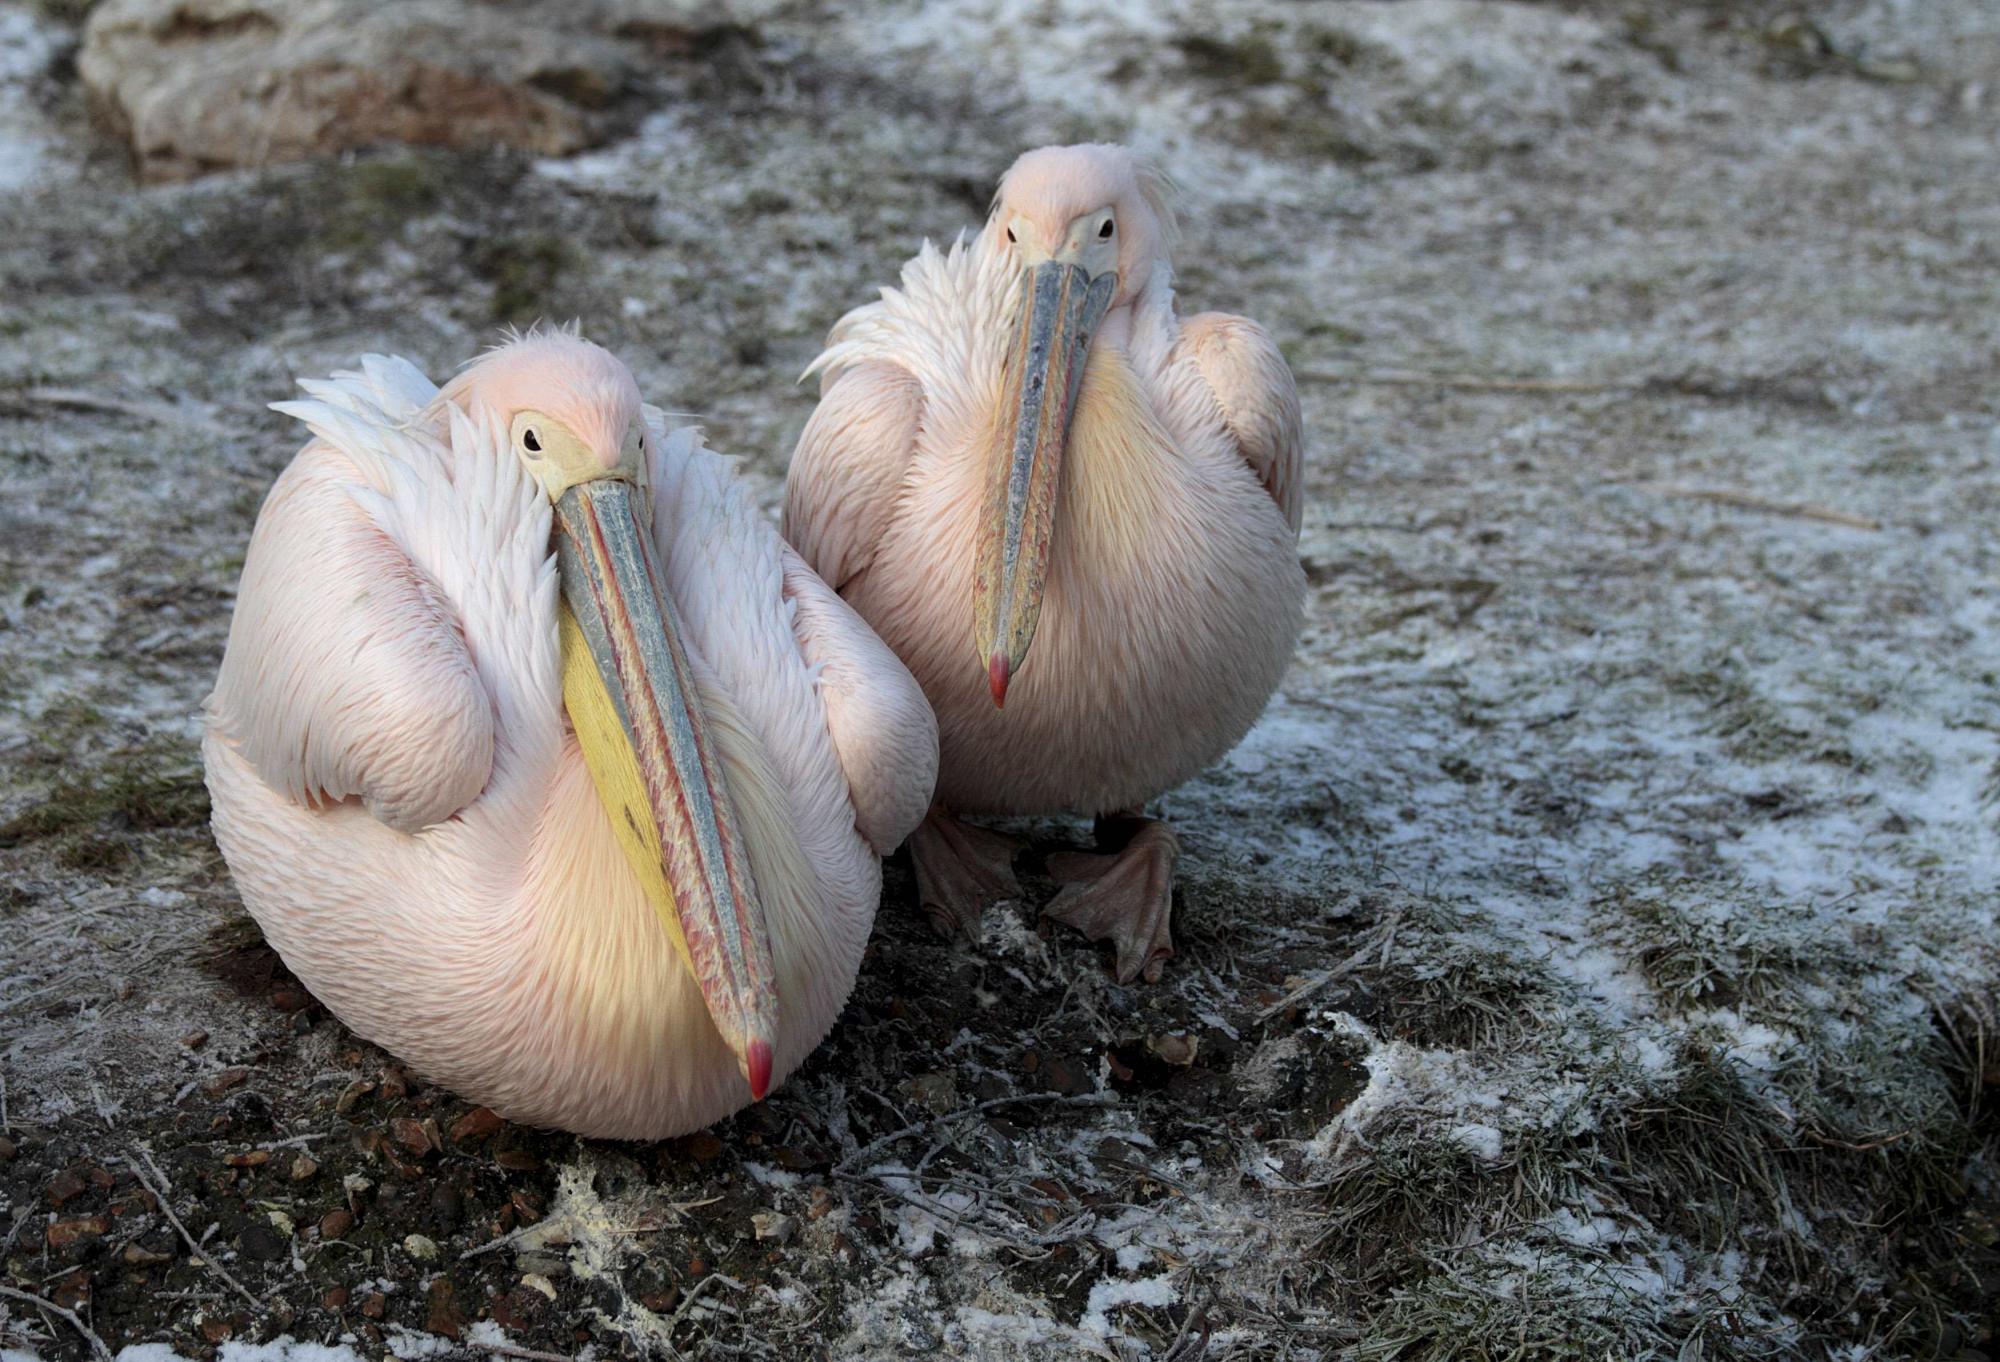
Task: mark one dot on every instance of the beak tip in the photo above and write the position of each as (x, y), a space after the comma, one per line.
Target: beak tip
(998, 673)
(757, 1068)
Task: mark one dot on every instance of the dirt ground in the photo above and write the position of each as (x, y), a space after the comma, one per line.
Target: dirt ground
(1591, 954)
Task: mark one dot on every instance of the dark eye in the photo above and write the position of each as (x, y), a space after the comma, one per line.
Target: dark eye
(1104, 232)
(530, 442)
(1010, 234)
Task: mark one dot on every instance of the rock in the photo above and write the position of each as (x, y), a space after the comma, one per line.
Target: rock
(420, 1247)
(194, 1040)
(412, 1135)
(773, 1225)
(261, 1242)
(202, 85)
(336, 1223)
(138, 1255)
(65, 1234)
(64, 1186)
(478, 1124)
(303, 1167)
(252, 1158)
(444, 1318)
(224, 1081)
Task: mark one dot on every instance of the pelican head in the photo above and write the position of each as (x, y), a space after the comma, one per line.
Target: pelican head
(572, 413)
(1088, 226)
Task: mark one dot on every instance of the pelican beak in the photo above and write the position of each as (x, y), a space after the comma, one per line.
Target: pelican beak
(631, 697)
(1061, 306)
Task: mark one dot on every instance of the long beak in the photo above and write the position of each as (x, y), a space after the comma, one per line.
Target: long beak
(631, 696)
(1061, 306)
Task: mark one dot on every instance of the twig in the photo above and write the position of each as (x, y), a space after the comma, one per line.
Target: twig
(511, 1237)
(530, 1354)
(1803, 510)
(96, 1344)
(161, 1194)
(873, 1147)
(1382, 936)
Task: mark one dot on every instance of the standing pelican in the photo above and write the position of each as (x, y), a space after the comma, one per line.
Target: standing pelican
(541, 759)
(1026, 444)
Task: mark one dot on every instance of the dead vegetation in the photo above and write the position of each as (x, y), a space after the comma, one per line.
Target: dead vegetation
(1592, 952)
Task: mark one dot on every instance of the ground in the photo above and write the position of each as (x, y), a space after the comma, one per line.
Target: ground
(1591, 954)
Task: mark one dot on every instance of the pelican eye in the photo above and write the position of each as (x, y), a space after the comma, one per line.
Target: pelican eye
(530, 441)
(1010, 235)
(1104, 232)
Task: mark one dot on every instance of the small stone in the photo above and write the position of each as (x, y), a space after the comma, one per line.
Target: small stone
(68, 1233)
(420, 1247)
(821, 1204)
(303, 1167)
(444, 1318)
(137, 1255)
(224, 1081)
(336, 1223)
(774, 1226)
(351, 1094)
(702, 1146)
(478, 1124)
(536, 1282)
(936, 1092)
(194, 1040)
(261, 1242)
(447, 1206)
(250, 1158)
(1175, 1048)
(65, 1186)
(517, 1160)
(395, 1084)
(288, 999)
(335, 1298)
(374, 1305)
(411, 1135)
(7, 1149)
(215, 1329)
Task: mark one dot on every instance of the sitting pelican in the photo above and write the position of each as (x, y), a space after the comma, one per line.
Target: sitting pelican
(541, 759)
(1026, 443)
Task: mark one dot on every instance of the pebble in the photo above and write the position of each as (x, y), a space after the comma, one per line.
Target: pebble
(478, 1124)
(67, 1233)
(64, 1186)
(336, 1223)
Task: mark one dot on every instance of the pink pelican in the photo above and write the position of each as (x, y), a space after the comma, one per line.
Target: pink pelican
(541, 759)
(1026, 443)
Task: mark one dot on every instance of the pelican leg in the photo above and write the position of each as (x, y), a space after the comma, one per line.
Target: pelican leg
(961, 869)
(1126, 896)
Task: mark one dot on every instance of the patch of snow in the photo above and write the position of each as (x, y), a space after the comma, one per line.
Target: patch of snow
(1108, 1295)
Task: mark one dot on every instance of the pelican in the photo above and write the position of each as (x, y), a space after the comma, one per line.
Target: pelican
(539, 757)
(1074, 514)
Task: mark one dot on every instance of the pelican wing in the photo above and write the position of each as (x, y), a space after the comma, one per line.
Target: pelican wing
(346, 674)
(883, 731)
(1243, 369)
(841, 490)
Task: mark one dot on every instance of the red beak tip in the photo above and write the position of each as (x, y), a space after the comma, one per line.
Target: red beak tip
(757, 1065)
(997, 676)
